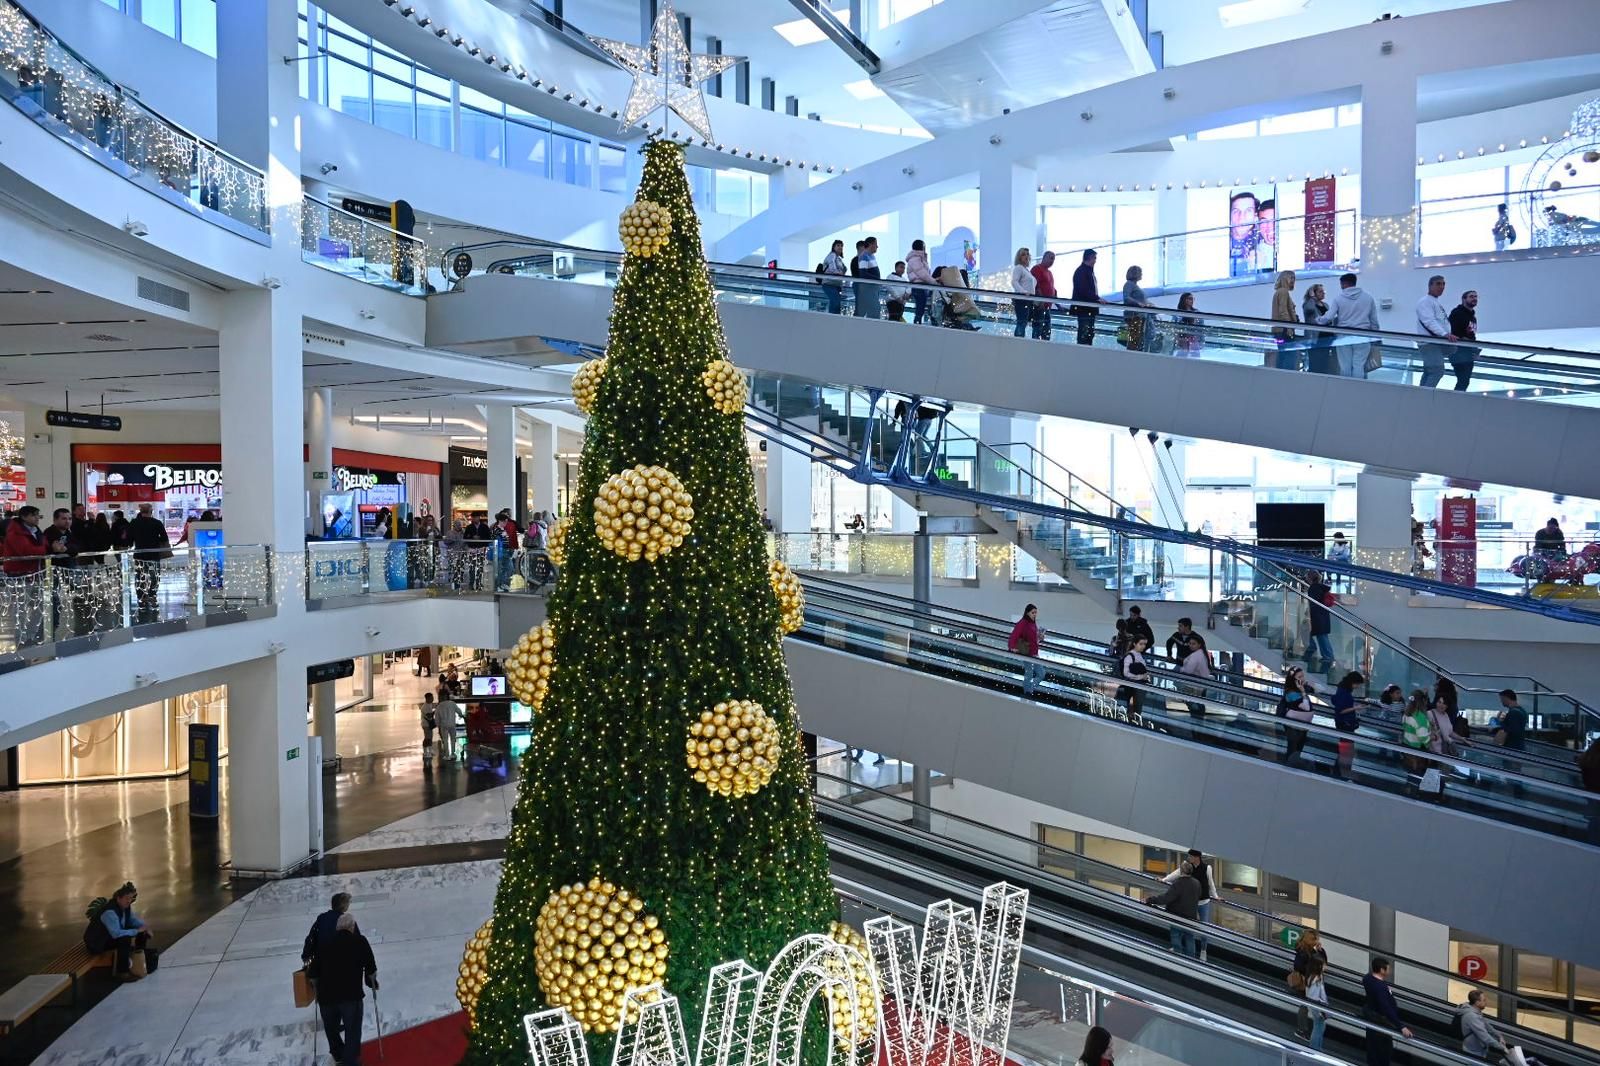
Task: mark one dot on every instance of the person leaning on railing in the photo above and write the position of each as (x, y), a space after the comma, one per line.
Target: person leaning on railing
(25, 549)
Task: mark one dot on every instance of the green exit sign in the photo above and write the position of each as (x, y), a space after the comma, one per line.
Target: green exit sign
(292, 754)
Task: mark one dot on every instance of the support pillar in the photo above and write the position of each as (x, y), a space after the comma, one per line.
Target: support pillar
(268, 803)
(790, 252)
(502, 420)
(1383, 519)
(1008, 214)
(319, 454)
(788, 489)
(922, 566)
(325, 718)
(543, 466)
(921, 797)
(1389, 188)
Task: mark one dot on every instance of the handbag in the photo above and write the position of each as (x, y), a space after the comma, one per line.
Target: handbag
(1374, 357)
(305, 993)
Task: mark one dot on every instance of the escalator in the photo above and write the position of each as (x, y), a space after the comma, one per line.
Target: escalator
(1092, 913)
(1498, 849)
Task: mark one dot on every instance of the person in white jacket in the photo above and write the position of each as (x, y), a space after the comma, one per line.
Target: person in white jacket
(1203, 874)
(1354, 308)
(1022, 285)
(1433, 320)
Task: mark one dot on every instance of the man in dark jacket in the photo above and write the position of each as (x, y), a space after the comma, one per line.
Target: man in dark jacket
(150, 543)
(1137, 627)
(323, 928)
(1086, 290)
(343, 964)
(1182, 900)
(1381, 1009)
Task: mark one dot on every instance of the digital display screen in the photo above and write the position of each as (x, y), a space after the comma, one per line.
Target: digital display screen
(521, 713)
(494, 685)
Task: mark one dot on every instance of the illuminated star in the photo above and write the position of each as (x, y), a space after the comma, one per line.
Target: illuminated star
(666, 74)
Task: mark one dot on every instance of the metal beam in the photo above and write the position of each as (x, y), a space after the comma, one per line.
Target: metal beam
(840, 34)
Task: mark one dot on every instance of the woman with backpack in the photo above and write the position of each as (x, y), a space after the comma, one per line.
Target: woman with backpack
(114, 927)
(1294, 705)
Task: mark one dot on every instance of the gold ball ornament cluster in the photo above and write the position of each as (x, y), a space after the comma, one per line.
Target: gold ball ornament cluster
(643, 512)
(733, 748)
(726, 387)
(586, 384)
(474, 972)
(530, 664)
(591, 944)
(555, 542)
(859, 973)
(791, 596)
(644, 227)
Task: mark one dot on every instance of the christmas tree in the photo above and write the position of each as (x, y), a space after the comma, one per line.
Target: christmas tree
(664, 823)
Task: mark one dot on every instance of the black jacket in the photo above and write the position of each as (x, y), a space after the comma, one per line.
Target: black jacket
(322, 931)
(341, 965)
(1181, 898)
(148, 536)
(1138, 627)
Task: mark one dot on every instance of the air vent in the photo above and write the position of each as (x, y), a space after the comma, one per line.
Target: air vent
(157, 293)
(123, 391)
(105, 338)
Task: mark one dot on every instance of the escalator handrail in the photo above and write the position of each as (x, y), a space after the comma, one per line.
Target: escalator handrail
(1062, 305)
(1139, 879)
(1445, 764)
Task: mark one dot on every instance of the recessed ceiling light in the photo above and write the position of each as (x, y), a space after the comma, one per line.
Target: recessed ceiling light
(803, 31)
(1248, 11)
(863, 89)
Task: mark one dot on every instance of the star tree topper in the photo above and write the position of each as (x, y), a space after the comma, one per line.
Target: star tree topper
(666, 74)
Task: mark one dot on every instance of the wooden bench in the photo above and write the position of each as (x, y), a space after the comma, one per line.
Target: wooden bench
(28, 996)
(78, 961)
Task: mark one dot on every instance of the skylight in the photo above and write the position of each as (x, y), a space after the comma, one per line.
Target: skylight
(803, 31)
(1248, 11)
(863, 89)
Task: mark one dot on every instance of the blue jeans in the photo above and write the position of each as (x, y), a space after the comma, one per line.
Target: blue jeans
(835, 295)
(1032, 675)
(346, 1016)
(1319, 1023)
(867, 301)
(1432, 364)
(1183, 942)
(921, 297)
(1024, 309)
(1323, 643)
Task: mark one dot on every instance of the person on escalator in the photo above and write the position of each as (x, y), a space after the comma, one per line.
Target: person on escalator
(1025, 641)
(1200, 870)
(1132, 667)
(1197, 664)
(1319, 597)
(1317, 993)
(1096, 1048)
(1479, 1038)
(1346, 719)
(1294, 706)
(1182, 900)
(1178, 643)
(1309, 956)
(1138, 627)
(1380, 1009)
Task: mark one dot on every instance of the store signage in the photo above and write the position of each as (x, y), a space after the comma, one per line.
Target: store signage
(1289, 936)
(165, 477)
(347, 480)
(1473, 967)
(475, 462)
(83, 420)
(468, 466)
(334, 671)
(338, 569)
(292, 754)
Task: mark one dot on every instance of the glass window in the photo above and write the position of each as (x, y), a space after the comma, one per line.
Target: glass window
(1298, 122)
(702, 187)
(199, 19)
(160, 15)
(613, 168)
(430, 81)
(1458, 211)
(349, 89)
(760, 191)
(1223, 133)
(527, 148)
(392, 107)
(394, 68)
(482, 101)
(571, 159)
(348, 47)
(1350, 114)
(733, 193)
(481, 135)
(892, 11)
(433, 119)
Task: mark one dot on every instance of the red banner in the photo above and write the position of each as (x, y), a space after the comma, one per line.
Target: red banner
(1458, 540)
(1320, 221)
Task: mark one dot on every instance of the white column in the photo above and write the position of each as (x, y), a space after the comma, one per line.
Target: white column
(1425, 942)
(502, 420)
(1344, 916)
(47, 458)
(319, 454)
(542, 462)
(325, 718)
(788, 250)
(788, 490)
(1008, 213)
(1383, 519)
(1389, 187)
(267, 766)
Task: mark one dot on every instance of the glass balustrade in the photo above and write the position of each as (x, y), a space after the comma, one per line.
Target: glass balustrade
(360, 248)
(68, 96)
(1559, 220)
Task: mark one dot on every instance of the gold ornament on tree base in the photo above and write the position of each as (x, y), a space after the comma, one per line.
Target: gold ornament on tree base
(726, 387)
(586, 383)
(859, 973)
(474, 971)
(644, 228)
(591, 944)
(733, 748)
(643, 512)
(791, 597)
(530, 664)
(555, 542)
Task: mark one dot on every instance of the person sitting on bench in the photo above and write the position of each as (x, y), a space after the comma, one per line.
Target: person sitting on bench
(115, 926)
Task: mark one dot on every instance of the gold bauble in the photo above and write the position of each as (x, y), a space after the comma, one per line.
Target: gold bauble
(576, 966)
(555, 542)
(791, 597)
(586, 384)
(530, 664)
(644, 227)
(726, 387)
(733, 748)
(623, 518)
(859, 973)
(474, 971)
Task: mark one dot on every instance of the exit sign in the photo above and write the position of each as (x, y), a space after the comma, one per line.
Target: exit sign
(292, 754)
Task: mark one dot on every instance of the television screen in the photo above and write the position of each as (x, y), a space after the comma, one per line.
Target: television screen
(493, 685)
(521, 713)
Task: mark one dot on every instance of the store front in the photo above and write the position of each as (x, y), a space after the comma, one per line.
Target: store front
(468, 472)
(146, 741)
(366, 488)
(180, 481)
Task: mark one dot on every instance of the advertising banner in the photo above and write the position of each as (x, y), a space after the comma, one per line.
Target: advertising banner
(1321, 205)
(1458, 541)
(1252, 231)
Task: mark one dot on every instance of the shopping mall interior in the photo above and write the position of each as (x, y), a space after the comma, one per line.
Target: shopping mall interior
(944, 532)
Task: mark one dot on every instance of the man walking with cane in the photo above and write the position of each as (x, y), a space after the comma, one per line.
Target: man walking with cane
(342, 965)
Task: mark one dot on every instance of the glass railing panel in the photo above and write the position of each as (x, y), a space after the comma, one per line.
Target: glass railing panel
(61, 92)
(362, 249)
(1562, 218)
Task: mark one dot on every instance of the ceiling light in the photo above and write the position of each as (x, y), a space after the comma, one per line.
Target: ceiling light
(1248, 11)
(863, 89)
(803, 31)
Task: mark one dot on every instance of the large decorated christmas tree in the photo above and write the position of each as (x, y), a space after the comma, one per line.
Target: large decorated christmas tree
(663, 823)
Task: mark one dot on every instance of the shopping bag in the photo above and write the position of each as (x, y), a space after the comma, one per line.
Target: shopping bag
(1432, 782)
(137, 965)
(304, 992)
